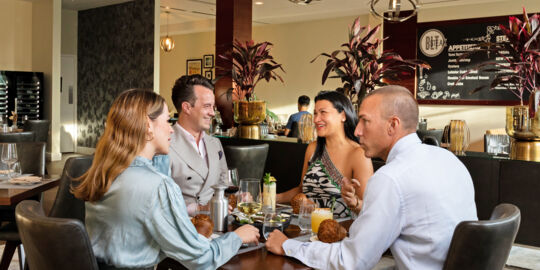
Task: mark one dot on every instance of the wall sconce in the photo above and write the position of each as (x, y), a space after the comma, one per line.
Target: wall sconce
(167, 43)
(394, 9)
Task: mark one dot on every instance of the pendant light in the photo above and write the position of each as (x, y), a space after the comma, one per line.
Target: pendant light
(167, 43)
(394, 9)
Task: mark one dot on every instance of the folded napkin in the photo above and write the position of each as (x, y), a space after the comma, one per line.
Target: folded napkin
(25, 180)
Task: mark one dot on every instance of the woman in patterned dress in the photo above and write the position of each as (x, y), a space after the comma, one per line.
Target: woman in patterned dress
(334, 156)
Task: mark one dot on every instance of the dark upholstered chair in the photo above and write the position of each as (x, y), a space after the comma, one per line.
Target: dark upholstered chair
(249, 159)
(430, 136)
(66, 205)
(486, 244)
(40, 129)
(14, 137)
(32, 160)
(53, 243)
(32, 157)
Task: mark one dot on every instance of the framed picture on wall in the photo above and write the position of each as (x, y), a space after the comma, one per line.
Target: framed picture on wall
(194, 66)
(208, 61)
(208, 74)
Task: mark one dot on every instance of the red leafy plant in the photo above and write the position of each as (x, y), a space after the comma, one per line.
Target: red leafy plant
(251, 63)
(520, 70)
(360, 66)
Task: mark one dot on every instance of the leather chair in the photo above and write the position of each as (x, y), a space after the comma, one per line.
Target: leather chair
(32, 157)
(53, 243)
(14, 137)
(249, 159)
(40, 129)
(65, 204)
(486, 244)
(430, 136)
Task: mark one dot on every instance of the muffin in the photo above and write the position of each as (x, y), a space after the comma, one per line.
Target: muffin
(232, 200)
(203, 224)
(331, 231)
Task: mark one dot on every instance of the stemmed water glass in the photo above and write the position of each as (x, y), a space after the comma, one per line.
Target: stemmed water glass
(271, 222)
(9, 156)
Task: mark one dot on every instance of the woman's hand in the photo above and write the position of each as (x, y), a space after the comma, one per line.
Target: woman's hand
(349, 192)
(248, 234)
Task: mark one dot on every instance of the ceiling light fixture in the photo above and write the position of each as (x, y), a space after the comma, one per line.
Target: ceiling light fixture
(167, 43)
(393, 12)
(303, 2)
(258, 3)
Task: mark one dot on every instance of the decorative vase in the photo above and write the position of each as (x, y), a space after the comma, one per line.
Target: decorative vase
(523, 125)
(249, 114)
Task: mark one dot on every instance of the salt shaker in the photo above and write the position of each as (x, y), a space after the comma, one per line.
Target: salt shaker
(219, 208)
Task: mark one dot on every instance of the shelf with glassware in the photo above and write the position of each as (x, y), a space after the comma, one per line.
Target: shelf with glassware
(21, 96)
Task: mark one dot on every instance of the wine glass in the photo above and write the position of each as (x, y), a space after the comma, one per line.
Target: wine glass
(9, 156)
(231, 181)
(271, 222)
(249, 197)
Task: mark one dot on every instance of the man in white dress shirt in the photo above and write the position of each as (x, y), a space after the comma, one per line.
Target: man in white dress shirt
(197, 160)
(411, 205)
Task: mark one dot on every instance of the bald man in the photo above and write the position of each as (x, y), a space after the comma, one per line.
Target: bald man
(411, 205)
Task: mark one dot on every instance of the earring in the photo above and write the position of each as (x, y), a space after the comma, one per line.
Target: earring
(343, 120)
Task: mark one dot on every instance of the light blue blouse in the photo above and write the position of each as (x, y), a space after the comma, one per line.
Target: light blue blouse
(142, 219)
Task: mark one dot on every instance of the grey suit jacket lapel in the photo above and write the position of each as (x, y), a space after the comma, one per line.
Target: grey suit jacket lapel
(213, 161)
(188, 154)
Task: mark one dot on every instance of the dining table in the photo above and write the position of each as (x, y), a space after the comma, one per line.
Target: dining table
(12, 194)
(258, 257)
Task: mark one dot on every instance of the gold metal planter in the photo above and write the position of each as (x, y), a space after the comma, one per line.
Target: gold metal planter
(249, 114)
(525, 133)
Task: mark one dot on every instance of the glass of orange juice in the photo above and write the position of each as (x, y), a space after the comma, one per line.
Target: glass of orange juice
(317, 216)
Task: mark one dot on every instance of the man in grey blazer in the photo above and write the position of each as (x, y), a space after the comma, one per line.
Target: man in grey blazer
(197, 159)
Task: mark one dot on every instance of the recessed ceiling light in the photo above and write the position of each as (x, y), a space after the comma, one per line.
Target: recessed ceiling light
(259, 3)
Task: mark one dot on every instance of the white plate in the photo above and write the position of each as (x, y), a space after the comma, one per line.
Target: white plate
(314, 238)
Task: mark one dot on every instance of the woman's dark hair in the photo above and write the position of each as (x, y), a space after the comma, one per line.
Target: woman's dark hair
(341, 103)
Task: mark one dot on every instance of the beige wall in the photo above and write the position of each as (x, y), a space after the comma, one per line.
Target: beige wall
(69, 31)
(296, 44)
(16, 33)
(46, 50)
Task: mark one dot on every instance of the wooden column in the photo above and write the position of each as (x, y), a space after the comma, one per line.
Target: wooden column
(233, 22)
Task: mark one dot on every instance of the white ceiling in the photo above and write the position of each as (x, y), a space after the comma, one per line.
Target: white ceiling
(187, 16)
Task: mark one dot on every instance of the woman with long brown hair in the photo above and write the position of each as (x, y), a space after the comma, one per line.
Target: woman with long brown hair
(135, 213)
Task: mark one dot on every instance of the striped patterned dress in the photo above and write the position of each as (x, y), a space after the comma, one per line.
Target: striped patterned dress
(322, 182)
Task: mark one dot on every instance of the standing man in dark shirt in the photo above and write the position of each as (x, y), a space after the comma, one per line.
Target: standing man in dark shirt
(303, 104)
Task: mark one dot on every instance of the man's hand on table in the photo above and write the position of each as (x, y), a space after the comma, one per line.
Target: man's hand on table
(275, 242)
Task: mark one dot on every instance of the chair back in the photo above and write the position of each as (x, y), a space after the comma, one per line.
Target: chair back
(53, 243)
(40, 129)
(32, 157)
(66, 205)
(14, 137)
(430, 136)
(486, 244)
(248, 159)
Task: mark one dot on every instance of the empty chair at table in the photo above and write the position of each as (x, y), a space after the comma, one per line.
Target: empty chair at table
(248, 159)
(53, 243)
(14, 137)
(40, 129)
(484, 244)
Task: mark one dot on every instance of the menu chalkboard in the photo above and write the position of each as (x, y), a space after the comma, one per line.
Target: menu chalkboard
(441, 44)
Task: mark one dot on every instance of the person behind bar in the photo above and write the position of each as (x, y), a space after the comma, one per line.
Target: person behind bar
(303, 105)
(412, 204)
(197, 160)
(135, 213)
(336, 154)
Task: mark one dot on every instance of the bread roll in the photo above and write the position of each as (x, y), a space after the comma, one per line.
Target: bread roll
(297, 201)
(203, 224)
(331, 231)
(232, 200)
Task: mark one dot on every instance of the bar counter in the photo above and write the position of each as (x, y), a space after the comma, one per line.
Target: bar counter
(495, 180)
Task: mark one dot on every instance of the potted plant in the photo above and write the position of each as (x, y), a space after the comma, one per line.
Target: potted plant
(251, 63)
(360, 66)
(519, 72)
